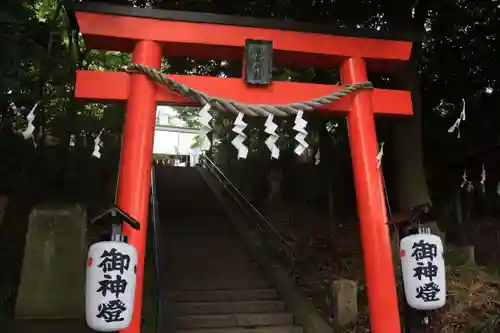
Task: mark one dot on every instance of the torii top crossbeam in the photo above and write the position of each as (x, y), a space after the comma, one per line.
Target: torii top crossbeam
(209, 36)
(149, 34)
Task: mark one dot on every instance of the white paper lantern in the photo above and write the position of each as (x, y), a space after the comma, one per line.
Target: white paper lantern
(110, 286)
(423, 268)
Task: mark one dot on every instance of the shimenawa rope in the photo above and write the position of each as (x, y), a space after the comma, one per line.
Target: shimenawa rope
(221, 104)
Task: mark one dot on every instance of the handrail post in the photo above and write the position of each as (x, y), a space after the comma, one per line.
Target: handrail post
(154, 224)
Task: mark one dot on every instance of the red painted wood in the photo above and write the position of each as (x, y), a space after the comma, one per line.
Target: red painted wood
(135, 163)
(377, 253)
(114, 86)
(216, 41)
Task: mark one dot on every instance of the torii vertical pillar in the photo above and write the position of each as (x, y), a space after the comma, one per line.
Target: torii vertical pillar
(377, 253)
(136, 162)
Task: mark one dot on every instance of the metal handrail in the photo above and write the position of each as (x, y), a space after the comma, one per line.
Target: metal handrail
(154, 221)
(261, 222)
(207, 161)
(252, 211)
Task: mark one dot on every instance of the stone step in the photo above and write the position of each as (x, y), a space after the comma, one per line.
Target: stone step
(228, 274)
(237, 272)
(233, 278)
(206, 222)
(210, 253)
(220, 268)
(219, 284)
(198, 244)
(201, 221)
(183, 207)
(224, 295)
(272, 329)
(194, 236)
(196, 230)
(228, 307)
(200, 266)
(203, 237)
(194, 239)
(210, 250)
(204, 226)
(214, 259)
(237, 255)
(197, 235)
(234, 320)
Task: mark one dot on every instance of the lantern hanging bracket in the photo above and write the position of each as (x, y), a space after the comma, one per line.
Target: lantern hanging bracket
(115, 216)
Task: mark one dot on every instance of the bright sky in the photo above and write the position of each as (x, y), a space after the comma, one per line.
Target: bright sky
(168, 116)
(171, 143)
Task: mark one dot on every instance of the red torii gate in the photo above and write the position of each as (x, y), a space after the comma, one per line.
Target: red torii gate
(151, 33)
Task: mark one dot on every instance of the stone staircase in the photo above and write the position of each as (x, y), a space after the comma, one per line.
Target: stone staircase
(210, 283)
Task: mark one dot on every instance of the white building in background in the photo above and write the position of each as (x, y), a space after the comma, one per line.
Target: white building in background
(173, 137)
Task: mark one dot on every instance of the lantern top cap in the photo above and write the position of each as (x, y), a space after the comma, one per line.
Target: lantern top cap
(242, 21)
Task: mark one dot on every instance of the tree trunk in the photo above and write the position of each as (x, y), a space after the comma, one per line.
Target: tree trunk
(411, 182)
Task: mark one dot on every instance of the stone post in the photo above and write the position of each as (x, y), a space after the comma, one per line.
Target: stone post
(345, 301)
(52, 283)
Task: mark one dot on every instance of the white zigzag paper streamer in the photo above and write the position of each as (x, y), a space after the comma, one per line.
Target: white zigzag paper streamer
(28, 132)
(380, 155)
(461, 117)
(464, 179)
(97, 145)
(317, 157)
(483, 179)
(15, 109)
(300, 125)
(270, 129)
(239, 127)
(205, 128)
(469, 186)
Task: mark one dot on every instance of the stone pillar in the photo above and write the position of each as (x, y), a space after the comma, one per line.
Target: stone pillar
(345, 301)
(470, 254)
(52, 283)
(462, 255)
